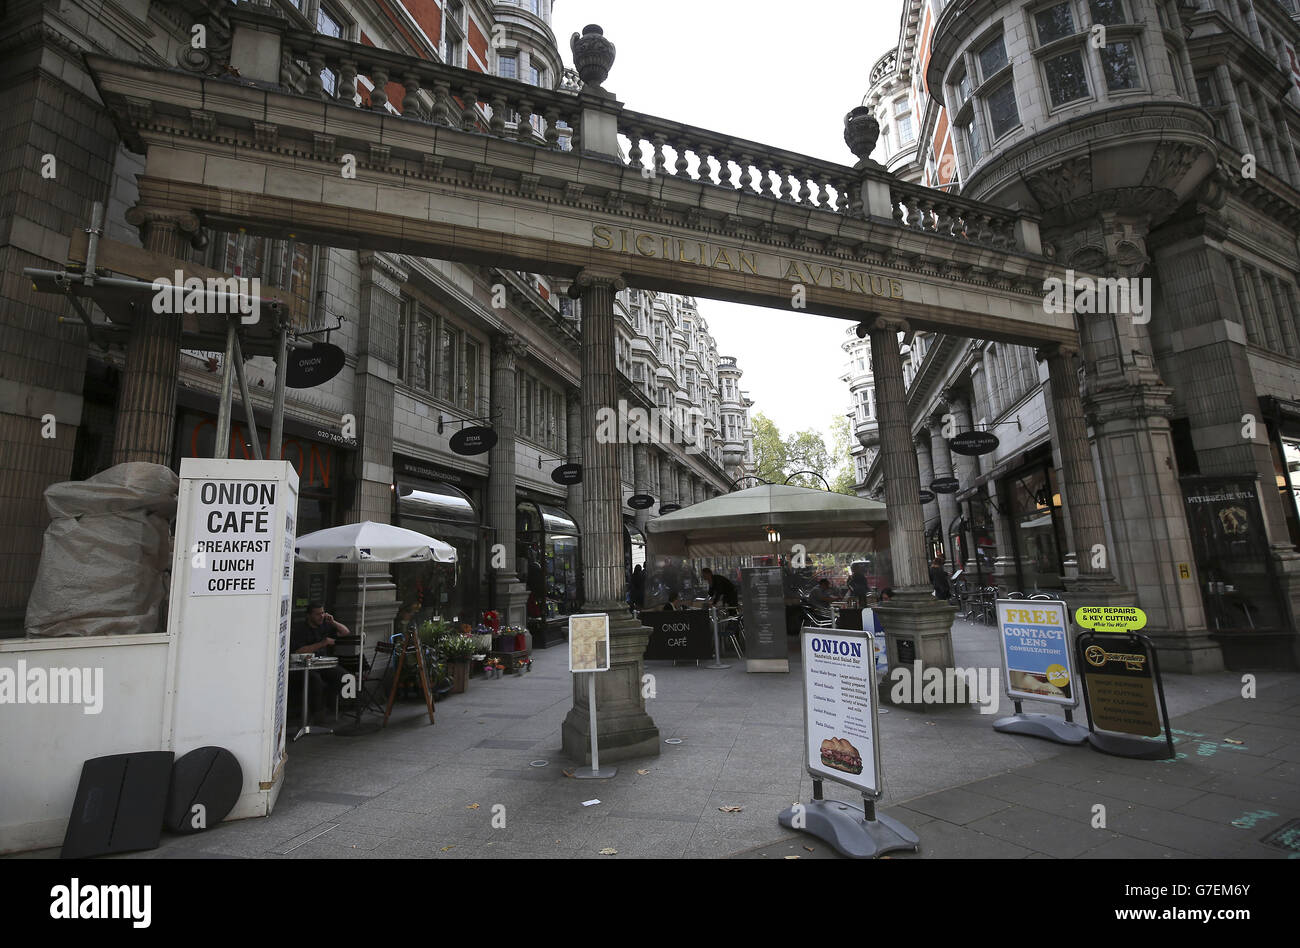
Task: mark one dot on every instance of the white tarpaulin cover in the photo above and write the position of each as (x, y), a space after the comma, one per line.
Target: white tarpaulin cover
(107, 553)
(736, 524)
(371, 542)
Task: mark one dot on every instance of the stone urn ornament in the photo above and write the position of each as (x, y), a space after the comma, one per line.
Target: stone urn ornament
(593, 55)
(861, 131)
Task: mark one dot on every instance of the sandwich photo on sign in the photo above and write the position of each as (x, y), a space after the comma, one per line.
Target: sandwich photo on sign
(841, 755)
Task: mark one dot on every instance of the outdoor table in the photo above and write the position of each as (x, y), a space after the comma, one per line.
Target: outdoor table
(307, 664)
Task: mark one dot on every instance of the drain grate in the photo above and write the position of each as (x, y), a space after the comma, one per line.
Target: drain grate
(1285, 837)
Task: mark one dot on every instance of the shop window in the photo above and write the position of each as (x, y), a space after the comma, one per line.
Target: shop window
(448, 340)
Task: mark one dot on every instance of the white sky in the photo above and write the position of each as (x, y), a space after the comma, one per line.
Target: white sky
(766, 73)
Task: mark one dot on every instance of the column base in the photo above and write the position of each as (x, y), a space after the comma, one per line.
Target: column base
(511, 598)
(624, 729)
(918, 636)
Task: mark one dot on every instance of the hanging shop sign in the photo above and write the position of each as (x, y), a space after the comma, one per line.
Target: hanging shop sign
(926, 496)
(944, 485)
(567, 474)
(669, 508)
(476, 440)
(640, 501)
(313, 366)
(1036, 650)
(974, 443)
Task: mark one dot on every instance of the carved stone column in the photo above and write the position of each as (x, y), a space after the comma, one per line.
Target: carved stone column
(918, 628)
(667, 481)
(641, 480)
(1079, 487)
(924, 475)
(685, 492)
(941, 459)
(625, 729)
(376, 374)
(573, 435)
(510, 595)
(146, 402)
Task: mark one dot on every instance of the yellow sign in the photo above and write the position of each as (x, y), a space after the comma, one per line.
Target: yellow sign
(1184, 571)
(1110, 618)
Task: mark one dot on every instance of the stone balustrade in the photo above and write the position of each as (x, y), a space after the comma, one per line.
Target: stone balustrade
(432, 92)
(946, 215)
(736, 163)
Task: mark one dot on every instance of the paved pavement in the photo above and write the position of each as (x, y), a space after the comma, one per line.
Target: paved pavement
(967, 790)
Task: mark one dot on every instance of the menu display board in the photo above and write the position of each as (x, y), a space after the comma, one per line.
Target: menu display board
(589, 643)
(1035, 641)
(683, 634)
(1120, 683)
(763, 607)
(840, 729)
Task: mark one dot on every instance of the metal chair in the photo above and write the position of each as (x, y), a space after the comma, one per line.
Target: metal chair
(735, 633)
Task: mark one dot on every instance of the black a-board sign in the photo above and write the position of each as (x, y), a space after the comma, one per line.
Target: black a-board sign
(681, 634)
(763, 595)
(1124, 695)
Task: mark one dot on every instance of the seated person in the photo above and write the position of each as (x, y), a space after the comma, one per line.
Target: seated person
(821, 597)
(314, 636)
(722, 591)
(671, 605)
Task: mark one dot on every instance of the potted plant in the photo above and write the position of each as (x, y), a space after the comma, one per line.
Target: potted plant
(457, 648)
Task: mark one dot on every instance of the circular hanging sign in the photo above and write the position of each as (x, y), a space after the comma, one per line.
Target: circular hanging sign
(313, 366)
(944, 485)
(567, 474)
(974, 443)
(669, 508)
(475, 440)
(926, 496)
(640, 501)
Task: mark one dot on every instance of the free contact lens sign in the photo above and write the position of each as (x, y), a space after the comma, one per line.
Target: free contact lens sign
(1036, 650)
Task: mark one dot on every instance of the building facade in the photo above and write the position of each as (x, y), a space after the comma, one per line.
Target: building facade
(430, 347)
(1155, 140)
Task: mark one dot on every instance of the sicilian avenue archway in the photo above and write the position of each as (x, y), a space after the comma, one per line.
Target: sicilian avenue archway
(270, 151)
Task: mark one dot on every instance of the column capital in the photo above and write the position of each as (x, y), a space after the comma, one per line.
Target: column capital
(146, 215)
(587, 279)
(1056, 350)
(383, 264)
(888, 324)
(507, 346)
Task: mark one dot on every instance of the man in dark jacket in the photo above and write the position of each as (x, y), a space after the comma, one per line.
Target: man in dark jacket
(939, 580)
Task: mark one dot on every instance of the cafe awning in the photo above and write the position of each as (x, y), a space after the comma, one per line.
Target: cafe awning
(736, 524)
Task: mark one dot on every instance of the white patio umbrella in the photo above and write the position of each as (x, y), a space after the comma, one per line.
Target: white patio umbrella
(370, 542)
